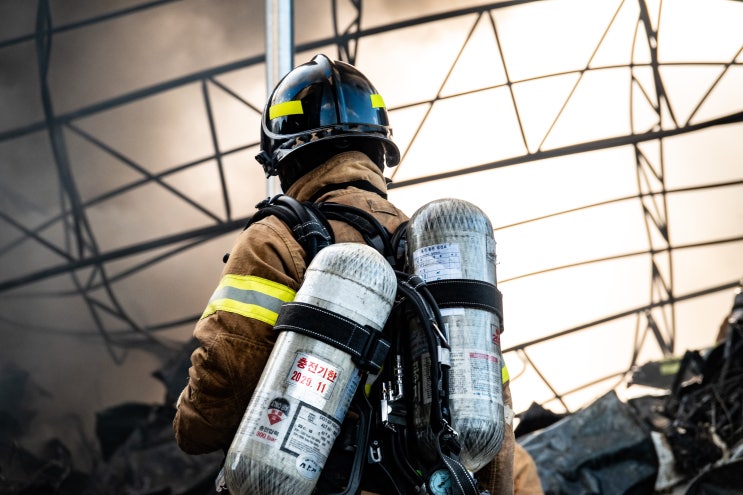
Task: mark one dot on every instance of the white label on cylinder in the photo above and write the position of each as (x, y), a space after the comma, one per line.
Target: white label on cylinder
(311, 432)
(270, 426)
(472, 376)
(311, 375)
(438, 262)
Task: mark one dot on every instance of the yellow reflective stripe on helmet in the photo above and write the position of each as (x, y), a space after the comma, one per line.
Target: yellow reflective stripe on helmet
(249, 296)
(377, 101)
(286, 108)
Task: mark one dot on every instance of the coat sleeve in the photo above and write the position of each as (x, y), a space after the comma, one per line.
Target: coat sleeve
(236, 336)
(525, 475)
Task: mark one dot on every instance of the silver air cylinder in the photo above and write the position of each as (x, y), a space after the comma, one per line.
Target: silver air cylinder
(296, 411)
(451, 239)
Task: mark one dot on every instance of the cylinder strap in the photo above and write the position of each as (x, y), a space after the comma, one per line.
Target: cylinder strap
(365, 344)
(469, 294)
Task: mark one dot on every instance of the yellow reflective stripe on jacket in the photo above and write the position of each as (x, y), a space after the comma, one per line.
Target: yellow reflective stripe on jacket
(249, 296)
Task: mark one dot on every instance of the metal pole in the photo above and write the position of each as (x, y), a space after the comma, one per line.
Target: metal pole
(279, 53)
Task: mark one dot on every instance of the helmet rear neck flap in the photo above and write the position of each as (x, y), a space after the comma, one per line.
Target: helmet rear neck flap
(317, 110)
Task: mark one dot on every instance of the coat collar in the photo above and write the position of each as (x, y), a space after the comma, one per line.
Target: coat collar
(343, 167)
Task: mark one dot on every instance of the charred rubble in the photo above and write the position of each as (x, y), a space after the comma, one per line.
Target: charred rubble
(687, 439)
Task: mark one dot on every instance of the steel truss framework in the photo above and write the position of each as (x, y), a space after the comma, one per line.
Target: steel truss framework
(88, 265)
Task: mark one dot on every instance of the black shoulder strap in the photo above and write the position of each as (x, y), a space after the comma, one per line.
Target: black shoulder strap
(307, 223)
(374, 233)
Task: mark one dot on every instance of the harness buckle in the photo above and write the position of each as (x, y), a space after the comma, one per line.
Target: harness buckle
(375, 452)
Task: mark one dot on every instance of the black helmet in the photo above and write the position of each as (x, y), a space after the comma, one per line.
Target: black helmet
(317, 110)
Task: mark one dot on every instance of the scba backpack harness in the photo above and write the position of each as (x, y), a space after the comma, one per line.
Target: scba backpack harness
(376, 447)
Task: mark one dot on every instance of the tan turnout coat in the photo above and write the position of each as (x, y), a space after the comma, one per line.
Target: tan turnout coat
(235, 347)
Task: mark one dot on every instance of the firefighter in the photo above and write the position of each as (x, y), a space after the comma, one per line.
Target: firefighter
(325, 134)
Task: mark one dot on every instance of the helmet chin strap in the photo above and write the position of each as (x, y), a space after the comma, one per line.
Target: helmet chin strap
(268, 163)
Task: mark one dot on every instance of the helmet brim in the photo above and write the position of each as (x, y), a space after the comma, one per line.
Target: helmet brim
(310, 155)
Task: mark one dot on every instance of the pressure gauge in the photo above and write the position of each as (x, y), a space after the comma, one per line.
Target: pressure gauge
(439, 483)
